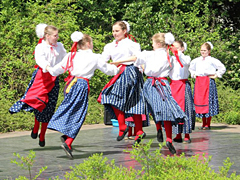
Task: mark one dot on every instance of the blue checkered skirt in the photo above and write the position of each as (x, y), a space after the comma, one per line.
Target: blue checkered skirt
(70, 115)
(213, 101)
(189, 111)
(48, 111)
(126, 93)
(162, 110)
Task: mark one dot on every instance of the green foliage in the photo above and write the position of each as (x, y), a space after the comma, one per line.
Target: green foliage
(95, 112)
(153, 166)
(229, 104)
(97, 167)
(13, 122)
(194, 22)
(26, 163)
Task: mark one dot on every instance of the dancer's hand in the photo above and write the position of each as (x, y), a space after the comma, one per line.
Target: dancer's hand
(116, 63)
(213, 76)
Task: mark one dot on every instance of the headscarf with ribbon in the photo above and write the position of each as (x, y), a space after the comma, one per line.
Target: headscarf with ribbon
(129, 36)
(40, 32)
(76, 37)
(169, 40)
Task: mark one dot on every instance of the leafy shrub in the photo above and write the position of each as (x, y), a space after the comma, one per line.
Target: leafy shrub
(27, 164)
(13, 122)
(229, 104)
(191, 21)
(153, 166)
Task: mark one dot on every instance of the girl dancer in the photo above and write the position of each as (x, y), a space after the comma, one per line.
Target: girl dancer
(156, 88)
(122, 96)
(205, 69)
(70, 115)
(42, 91)
(182, 93)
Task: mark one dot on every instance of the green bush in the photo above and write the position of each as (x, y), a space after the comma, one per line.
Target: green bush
(229, 104)
(191, 21)
(13, 122)
(153, 165)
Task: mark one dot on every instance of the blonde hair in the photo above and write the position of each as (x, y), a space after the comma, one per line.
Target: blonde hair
(159, 38)
(82, 43)
(49, 29)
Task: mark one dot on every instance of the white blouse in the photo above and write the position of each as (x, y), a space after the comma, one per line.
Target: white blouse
(47, 55)
(124, 49)
(155, 62)
(85, 63)
(207, 66)
(177, 72)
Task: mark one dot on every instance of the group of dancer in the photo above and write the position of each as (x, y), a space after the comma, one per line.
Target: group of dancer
(126, 96)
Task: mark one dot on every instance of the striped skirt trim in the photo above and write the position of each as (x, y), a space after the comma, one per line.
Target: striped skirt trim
(126, 93)
(213, 101)
(162, 110)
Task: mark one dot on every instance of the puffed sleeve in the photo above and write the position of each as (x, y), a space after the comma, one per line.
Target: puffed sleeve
(185, 60)
(60, 67)
(141, 58)
(106, 54)
(192, 68)
(63, 51)
(221, 69)
(41, 58)
(134, 48)
(108, 69)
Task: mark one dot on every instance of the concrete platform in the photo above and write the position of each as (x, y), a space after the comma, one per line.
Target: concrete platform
(220, 142)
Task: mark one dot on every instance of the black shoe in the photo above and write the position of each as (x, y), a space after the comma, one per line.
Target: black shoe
(160, 136)
(171, 147)
(119, 138)
(42, 143)
(206, 128)
(34, 135)
(67, 150)
(187, 141)
(178, 140)
(140, 137)
(63, 138)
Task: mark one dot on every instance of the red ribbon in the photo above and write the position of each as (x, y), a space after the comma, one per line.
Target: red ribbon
(129, 36)
(39, 42)
(69, 66)
(51, 47)
(157, 78)
(175, 52)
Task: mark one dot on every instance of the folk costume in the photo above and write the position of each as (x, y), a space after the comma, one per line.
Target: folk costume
(205, 90)
(157, 91)
(41, 94)
(182, 93)
(123, 95)
(70, 115)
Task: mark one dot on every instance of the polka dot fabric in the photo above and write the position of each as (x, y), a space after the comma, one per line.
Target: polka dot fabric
(70, 115)
(48, 111)
(213, 101)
